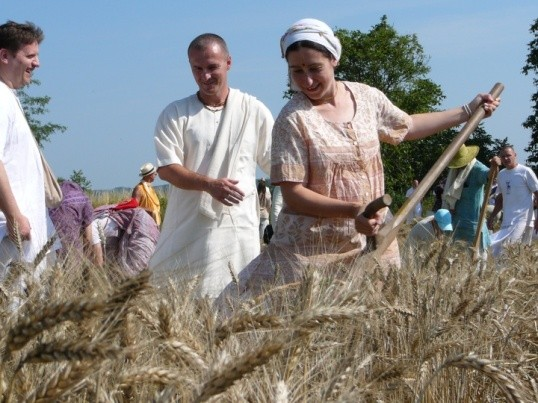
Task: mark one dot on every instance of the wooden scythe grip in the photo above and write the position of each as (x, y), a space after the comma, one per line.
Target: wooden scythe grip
(388, 233)
(375, 205)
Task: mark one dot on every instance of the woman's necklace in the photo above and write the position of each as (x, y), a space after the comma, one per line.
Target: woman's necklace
(213, 108)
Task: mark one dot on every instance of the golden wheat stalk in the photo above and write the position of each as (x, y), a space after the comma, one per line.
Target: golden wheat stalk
(65, 350)
(145, 317)
(159, 375)
(336, 384)
(512, 388)
(321, 315)
(165, 321)
(68, 379)
(129, 289)
(44, 250)
(226, 375)
(187, 353)
(49, 316)
(247, 322)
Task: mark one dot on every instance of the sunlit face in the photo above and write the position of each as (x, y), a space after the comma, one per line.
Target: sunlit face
(20, 65)
(210, 70)
(508, 158)
(312, 72)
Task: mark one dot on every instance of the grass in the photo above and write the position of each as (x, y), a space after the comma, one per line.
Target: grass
(434, 331)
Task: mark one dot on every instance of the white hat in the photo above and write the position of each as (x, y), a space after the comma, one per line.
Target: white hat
(313, 30)
(147, 169)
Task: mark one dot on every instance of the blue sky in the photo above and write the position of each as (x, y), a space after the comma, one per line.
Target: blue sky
(110, 67)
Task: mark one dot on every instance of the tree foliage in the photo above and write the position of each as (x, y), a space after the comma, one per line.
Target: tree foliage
(392, 63)
(531, 67)
(33, 108)
(78, 177)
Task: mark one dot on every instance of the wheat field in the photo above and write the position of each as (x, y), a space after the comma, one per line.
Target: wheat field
(436, 330)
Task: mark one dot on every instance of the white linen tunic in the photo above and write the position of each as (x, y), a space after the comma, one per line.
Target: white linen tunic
(192, 244)
(21, 159)
(517, 186)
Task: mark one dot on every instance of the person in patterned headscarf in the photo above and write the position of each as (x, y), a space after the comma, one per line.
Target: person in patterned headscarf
(326, 158)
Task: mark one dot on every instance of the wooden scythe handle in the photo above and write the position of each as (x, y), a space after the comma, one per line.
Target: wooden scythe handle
(483, 209)
(388, 233)
(377, 204)
(369, 212)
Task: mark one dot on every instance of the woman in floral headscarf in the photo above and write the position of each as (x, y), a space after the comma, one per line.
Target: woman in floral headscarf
(326, 158)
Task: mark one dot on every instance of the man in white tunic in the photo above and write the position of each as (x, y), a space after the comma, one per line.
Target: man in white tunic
(516, 186)
(208, 146)
(22, 193)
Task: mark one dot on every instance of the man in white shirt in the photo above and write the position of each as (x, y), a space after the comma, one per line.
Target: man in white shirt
(517, 184)
(208, 146)
(23, 214)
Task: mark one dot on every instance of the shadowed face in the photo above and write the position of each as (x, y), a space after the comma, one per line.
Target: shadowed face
(508, 158)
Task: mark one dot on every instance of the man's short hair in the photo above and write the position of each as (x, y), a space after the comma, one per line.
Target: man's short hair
(202, 41)
(14, 36)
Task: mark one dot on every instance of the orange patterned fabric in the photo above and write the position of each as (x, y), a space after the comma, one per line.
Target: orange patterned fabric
(338, 160)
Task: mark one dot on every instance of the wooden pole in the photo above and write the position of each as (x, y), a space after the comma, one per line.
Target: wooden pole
(388, 233)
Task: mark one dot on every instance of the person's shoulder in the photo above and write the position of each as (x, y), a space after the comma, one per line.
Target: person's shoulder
(525, 168)
(479, 165)
(179, 104)
(7, 95)
(297, 105)
(361, 88)
(252, 101)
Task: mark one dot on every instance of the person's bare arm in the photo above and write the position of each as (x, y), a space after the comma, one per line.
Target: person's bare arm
(304, 201)
(88, 247)
(223, 189)
(137, 193)
(427, 124)
(16, 221)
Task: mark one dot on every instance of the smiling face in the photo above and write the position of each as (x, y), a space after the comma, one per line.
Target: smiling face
(313, 72)
(210, 67)
(17, 68)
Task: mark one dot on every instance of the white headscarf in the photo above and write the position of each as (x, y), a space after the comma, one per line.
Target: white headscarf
(309, 29)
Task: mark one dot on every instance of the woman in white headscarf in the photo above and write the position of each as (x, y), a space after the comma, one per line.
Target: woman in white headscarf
(326, 157)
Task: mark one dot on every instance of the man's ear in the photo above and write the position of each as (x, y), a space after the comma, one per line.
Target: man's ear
(4, 55)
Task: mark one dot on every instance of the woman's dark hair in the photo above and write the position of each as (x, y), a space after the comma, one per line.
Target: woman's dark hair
(310, 45)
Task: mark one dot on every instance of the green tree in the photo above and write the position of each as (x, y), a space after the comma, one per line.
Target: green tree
(80, 178)
(395, 64)
(531, 66)
(33, 108)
